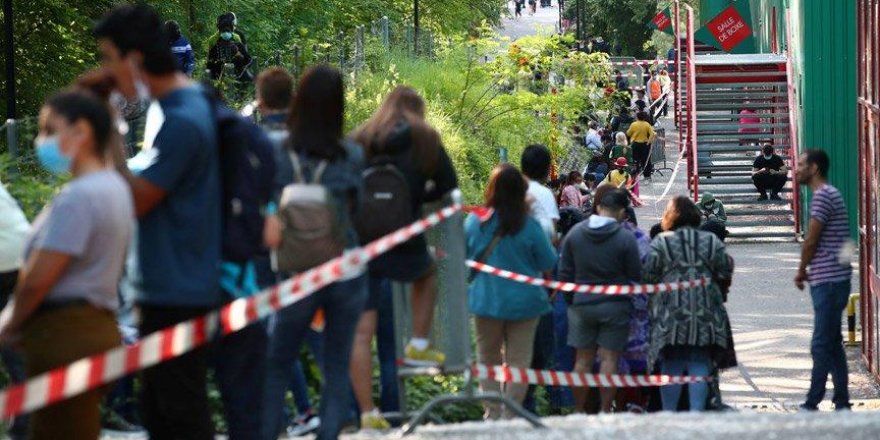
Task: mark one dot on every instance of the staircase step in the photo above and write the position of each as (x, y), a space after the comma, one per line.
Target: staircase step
(715, 158)
(712, 126)
(727, 137)
(742, 105)
(738, 74)
(737, 85)
(759, 223)
(758, 212)
(752, 202)
(735, 117)
(754, 235)
(736, 97)
(741, 180)
(740, 191)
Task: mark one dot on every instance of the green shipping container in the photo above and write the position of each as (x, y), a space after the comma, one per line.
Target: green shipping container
(825, 63)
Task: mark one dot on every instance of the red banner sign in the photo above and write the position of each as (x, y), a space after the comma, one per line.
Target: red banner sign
(662, 21)
(729, 28)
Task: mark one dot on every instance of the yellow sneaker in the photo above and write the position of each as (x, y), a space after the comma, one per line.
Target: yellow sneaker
(423, 358)
(374, 420)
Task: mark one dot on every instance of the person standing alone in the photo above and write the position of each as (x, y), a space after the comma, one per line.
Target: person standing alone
(827, 251)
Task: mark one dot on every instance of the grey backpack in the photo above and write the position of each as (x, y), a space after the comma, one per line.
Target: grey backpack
(311, 231)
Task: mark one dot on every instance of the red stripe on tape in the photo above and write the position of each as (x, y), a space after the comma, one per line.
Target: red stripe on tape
(96, 372)
(56, 384)
(14, 400)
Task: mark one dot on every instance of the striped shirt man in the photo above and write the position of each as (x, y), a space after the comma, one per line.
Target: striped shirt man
(828, 208)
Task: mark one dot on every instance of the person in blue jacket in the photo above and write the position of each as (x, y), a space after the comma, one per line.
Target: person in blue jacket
(180, 47)
(504, 235)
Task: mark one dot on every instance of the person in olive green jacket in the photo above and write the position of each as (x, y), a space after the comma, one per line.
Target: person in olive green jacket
(712, 208)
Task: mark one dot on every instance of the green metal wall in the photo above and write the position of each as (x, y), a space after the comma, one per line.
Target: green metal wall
(710, 8)
(824, 52)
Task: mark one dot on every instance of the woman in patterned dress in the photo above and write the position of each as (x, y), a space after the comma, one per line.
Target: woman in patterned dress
(689, 327)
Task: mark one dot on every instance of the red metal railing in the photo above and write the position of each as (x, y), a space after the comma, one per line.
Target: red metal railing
(678, 102)
(793, 128)
(693, 171)
(869, 161)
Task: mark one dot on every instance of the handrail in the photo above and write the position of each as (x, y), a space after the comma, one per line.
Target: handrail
(692, 105)
(678, 102)
(792, 128)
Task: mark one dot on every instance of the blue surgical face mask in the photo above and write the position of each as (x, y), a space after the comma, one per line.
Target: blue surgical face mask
(50, 156)
(768, 156)
(226, 35)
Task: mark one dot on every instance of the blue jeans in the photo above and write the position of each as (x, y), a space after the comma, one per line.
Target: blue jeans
(543, 357)
(826, 348)
(239, 363)
(298, 385)
(389, 398)
(343, 304)
(561, 397)
(696, 363)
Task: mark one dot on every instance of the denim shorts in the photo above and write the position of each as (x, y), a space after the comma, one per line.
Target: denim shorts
(604, 324)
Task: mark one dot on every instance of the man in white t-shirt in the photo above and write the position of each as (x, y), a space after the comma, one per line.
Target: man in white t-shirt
(535, 164)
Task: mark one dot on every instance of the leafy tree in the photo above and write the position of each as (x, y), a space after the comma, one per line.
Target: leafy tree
(623, 23)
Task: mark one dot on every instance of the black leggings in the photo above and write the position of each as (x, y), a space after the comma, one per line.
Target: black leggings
(642, 157)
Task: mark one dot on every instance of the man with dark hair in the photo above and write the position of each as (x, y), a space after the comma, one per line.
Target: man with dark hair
(827, 251)
(173, 266)
(599, 324)
(769, 173)
(535, 163)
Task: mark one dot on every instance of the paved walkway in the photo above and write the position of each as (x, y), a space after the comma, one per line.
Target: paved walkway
(545, 20)
(772, 320)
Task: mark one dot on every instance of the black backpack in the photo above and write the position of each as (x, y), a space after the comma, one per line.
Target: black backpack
(247, 170)
(387, 204)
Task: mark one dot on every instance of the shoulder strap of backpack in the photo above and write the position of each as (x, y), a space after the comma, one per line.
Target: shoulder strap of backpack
(298, 174)
(297, 168)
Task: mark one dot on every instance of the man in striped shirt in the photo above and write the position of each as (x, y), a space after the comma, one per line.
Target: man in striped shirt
(826, 251)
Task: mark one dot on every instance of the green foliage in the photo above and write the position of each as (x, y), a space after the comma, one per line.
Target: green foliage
(623, 23)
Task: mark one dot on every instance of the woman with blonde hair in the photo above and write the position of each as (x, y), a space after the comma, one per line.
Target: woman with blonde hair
(398, 135)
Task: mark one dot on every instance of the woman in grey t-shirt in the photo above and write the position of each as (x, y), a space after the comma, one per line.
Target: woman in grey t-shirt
(63, 308)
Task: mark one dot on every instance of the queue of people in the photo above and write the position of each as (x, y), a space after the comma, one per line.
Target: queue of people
(158, 232)
(193, 229)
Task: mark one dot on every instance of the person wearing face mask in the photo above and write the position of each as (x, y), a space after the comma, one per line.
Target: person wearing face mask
(599, 324)
(63, 308)
(172, 268)
(769, 173)
(228, 49)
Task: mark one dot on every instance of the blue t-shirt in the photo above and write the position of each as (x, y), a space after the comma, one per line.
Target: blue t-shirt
(177, 252)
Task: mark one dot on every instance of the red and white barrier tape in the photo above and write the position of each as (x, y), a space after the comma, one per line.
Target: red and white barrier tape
(89, 373)
(586, 288)
(506, 374)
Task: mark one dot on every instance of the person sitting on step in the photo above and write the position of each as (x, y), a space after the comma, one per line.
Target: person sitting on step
(769, 173)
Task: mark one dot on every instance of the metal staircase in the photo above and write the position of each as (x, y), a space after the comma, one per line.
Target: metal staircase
(726, 144)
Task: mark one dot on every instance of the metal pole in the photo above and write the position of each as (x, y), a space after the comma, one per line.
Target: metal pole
(416, 27)
(297, 54)
(340, 39)
(386, 35)
(10, 58)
